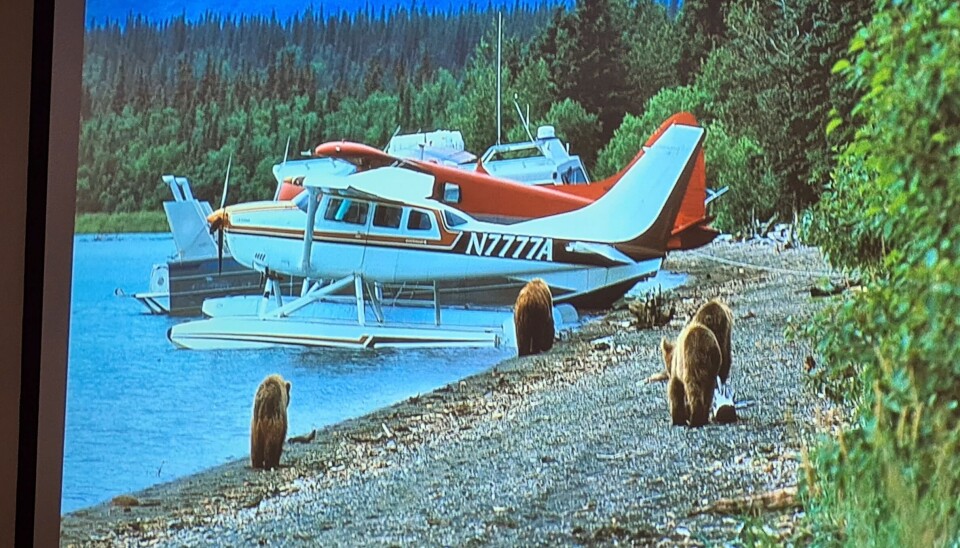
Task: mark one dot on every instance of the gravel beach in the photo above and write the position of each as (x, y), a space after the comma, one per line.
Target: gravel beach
(568, 447)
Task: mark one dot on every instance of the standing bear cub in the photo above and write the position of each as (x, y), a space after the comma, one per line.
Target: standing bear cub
(533, 318)
(692, 366)
(268, 430)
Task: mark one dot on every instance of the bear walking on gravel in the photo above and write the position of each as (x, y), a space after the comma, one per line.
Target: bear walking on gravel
(533, 318)
(719, 318)
(692, 365)
(268, 430)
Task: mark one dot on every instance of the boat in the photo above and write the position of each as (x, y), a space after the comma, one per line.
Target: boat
(194, 272)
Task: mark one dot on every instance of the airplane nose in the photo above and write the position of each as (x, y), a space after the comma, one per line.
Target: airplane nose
(217, 217)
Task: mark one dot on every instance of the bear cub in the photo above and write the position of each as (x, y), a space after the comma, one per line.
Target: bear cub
(268, 430)
(692, 367)
(533, 318)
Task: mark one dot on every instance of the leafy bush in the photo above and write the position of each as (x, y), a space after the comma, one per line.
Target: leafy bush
(892, 478)
(635, 130)
(737, 163)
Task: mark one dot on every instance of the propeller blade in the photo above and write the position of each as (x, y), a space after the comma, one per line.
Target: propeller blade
(286, 151)
(226, 183)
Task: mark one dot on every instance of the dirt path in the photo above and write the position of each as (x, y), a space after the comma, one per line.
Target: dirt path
(567, 447)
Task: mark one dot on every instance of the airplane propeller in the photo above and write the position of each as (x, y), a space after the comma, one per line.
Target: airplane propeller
(219, 219)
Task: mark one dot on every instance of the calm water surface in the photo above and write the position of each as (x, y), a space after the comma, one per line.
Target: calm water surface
(141, 412)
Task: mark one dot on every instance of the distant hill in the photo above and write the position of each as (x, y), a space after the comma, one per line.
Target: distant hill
(101, 11)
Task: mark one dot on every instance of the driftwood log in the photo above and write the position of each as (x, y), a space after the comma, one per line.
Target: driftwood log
(779, 499)
(306, 438)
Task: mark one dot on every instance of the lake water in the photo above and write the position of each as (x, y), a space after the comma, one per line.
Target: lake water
(141, 412)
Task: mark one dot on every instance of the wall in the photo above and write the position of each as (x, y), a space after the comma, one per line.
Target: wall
(14, 125)
(33, 346)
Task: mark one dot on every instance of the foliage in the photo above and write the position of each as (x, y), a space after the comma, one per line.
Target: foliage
(892, 479)
(584, 49)
(114, 223)
(737, 163)
(371, 121)
(653, 53)
(634, 131)
(702, 26)
(185, 96)
(771, 81)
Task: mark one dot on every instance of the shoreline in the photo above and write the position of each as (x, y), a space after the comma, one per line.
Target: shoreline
(536, 399)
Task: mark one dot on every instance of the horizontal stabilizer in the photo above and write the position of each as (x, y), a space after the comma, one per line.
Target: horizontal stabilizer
(714, 194)
(603, 250)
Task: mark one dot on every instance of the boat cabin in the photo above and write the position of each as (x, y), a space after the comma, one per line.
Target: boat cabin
(543, 161)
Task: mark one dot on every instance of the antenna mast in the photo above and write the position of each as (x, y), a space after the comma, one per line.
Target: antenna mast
(499, 33)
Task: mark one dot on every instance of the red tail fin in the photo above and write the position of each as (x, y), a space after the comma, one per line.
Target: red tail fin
(693, 210)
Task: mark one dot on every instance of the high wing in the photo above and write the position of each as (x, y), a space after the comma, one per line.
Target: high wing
(382, 184)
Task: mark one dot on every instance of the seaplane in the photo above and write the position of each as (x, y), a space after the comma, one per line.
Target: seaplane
(391, 225)
(503, 189)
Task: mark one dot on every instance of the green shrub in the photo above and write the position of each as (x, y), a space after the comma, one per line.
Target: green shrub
(892, 211)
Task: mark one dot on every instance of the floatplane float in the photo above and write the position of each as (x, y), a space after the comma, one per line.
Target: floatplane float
(396, 225)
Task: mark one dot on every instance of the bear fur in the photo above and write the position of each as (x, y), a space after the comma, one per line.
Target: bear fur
(718, 317)
(268, 430)
(692, 365)
(533, 318)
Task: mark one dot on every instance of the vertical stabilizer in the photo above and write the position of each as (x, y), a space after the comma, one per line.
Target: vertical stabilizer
(638, 213)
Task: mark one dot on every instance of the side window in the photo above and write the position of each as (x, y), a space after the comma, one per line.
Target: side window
(385, 216)
(451, 193)
(419, 220)
(330, 212)
(346, 211)
(453, 219)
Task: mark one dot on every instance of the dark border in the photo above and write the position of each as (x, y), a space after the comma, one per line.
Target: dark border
(32, 321)
(52, 148)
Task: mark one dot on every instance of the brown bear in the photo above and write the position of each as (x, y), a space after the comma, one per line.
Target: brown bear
(268, 430)
(692, 365)
(719, 318)
(533, 318)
